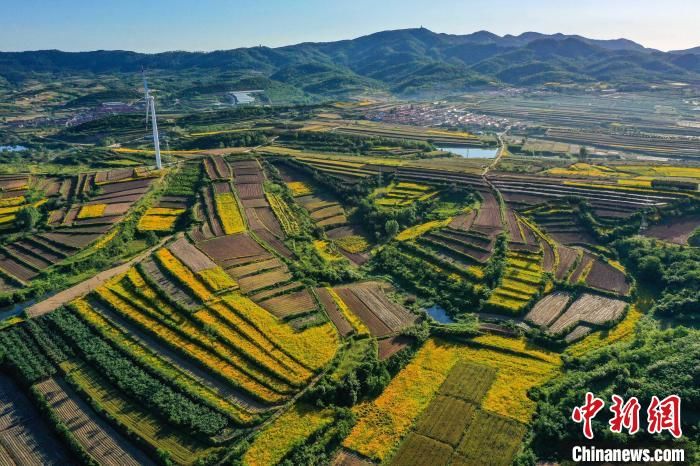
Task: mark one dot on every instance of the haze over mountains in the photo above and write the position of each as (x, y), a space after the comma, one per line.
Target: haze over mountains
(403, 62)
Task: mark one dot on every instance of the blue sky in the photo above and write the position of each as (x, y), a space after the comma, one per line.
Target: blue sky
(159, 25)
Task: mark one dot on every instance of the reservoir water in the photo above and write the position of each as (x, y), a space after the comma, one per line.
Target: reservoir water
(12, 148)
(471, 152)
(439, 314)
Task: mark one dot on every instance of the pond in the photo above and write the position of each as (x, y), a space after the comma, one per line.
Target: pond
(12, 148)
(471, 152)
(439, 314)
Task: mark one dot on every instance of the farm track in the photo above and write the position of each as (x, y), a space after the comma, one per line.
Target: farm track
(63, 297)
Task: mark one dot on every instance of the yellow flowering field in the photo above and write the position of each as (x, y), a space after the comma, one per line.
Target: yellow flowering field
(258, 338)
(12, 201)
(353, 244)
(166, 370)
(284, 214)
(185, 275)
(284, 433)
(157, 223)
(217, 279)
(92, 211)
(229, 213)
(382, 423)
(102, 242)
(416, 231)
(299, 188)
(164, 211)
(229, 335)
(209, 358)
(313, 347)
(323, 250)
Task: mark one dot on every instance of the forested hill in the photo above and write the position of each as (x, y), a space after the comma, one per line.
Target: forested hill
(402, 61)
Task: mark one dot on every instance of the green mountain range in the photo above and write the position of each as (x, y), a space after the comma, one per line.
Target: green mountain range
(403, 62)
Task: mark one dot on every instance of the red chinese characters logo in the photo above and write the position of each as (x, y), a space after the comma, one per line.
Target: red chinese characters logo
(665, 415)
(662, 415)
(587, 412)
(625, 415)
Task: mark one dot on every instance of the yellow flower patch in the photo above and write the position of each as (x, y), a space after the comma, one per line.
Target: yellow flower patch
(352, 244)
(416, 231)
(229, 213)
(299, 188)
(183, 274)
(382, 423)
(217, 279)
(164, 211)
(92, 211)
(313, 347)
(157, 223)
(356, 323)
(284, 433)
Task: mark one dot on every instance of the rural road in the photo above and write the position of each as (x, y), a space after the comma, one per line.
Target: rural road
(59, 299)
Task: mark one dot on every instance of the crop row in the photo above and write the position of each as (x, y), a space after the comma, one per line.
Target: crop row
(159, 366)
(131, 378)
(284, 214)
(192, 346)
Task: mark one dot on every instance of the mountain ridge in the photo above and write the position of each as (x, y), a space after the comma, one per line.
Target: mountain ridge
(403, 61)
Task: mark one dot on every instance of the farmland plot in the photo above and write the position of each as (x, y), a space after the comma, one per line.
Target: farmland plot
(488, 218)
(567, 258)
(674, 230)
(445, 419)
(590, 309)
(100, 440)
(175, 290)
(420, 450)
(334, 313)
(468, 381)
(189, 339)
(192, 257)
(387, 347)
(520, 283)
(604, 276)
(491, 439)
(369, 302)
(547, 309)
(289, 305)
(25, 438)
(229, 250)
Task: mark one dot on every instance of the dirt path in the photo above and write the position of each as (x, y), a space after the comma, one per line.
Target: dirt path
(59, 299)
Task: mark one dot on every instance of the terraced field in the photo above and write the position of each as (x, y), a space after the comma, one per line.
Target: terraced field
(243, 335)
(369, 302)
(521, 282)
(74, 227)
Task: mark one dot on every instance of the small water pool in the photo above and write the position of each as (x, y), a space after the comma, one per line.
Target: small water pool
(439, 314)
(471, 152)
(12, 148)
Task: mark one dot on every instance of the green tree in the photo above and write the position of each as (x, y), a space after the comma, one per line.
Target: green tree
(391, 227)
(694, 239)
(650, 269)
(583, 154)
(28, 217)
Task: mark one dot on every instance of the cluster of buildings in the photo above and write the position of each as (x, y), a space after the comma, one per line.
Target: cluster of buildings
(438, 115)
(103, 110)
